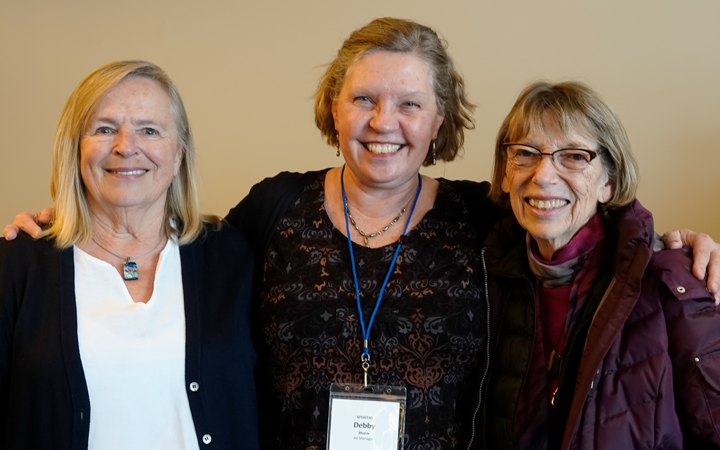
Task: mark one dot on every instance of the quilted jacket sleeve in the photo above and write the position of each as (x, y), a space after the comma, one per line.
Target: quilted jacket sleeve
(693, 324)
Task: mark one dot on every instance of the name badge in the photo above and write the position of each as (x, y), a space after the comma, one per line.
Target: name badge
(366, 417)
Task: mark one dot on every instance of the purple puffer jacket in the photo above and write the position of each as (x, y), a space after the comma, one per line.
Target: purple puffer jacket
(649, 371)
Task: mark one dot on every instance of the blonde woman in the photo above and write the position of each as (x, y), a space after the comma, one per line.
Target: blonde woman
(127, 324)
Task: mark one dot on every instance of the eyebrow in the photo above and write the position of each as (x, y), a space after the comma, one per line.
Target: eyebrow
(144, 122)
(113, 122)
(103, 120)
(571, 144)
(416, 92)
(362, 90)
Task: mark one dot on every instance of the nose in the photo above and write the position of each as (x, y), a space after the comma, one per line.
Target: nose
(125, 141)
(384, 119)
(545, 173)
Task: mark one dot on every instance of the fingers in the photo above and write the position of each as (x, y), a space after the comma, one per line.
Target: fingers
(706, 256)
(702, 246)
(714, 273)
(28, 223)
(706, 261)
(10, 232)
(673, 239)
(45, 216)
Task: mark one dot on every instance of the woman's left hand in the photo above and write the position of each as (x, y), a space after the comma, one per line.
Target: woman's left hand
(706, 256)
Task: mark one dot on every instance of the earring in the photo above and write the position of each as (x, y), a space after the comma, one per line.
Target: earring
(337, 137)
(433, 153)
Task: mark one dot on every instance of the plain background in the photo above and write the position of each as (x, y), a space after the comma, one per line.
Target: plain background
(247, 72)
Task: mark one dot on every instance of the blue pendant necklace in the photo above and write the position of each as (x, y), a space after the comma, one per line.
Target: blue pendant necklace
(130, 270)
(365, 358)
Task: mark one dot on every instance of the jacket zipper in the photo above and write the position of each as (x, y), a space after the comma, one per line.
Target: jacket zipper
(487, 351)
(534, 293)
(487, 359)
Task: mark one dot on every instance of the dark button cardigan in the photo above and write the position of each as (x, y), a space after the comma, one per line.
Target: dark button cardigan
(44, 401)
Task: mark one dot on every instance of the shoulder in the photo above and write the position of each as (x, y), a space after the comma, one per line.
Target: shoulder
(476, 196)
(225, 239)
(466, 187)
(268, 196)
(25, 248)
(24, 259)
(673, 268)
(219, 259)
(484, 212)
(634, 229)
(257, 214)
(283, 182)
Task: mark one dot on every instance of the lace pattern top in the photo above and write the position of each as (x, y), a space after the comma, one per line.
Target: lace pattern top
(428, 335)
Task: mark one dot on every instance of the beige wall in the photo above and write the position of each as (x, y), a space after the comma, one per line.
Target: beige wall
(247, 71)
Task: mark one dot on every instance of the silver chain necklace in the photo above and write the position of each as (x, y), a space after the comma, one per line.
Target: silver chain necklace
(378, 233)
(130, 270)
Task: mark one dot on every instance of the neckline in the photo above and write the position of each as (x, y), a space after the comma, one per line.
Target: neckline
(170, 245)
(409, 237)
(163, 252)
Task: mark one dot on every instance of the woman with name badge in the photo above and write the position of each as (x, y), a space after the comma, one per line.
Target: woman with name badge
(369, 271)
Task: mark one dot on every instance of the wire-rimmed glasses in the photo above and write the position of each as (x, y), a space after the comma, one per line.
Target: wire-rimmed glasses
(525, 156)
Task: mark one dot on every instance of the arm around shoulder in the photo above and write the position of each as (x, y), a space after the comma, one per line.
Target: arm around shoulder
(484, 212)
(258, 211)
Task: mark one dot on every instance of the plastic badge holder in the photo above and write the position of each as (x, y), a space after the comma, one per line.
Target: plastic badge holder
(366, 418)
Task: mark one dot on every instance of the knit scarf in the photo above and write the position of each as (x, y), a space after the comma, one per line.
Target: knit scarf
(577, 263)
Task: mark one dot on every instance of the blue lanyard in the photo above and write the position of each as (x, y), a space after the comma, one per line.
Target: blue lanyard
(366, 333)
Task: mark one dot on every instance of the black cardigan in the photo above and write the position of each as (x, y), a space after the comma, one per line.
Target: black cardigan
(44, 401)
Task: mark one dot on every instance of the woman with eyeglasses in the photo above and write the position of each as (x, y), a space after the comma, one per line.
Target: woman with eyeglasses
(601, 342)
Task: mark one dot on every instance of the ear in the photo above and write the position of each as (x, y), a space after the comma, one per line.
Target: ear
(607, 192)
(179, 155)
(439, 119)
(335, 113)
(505, 182)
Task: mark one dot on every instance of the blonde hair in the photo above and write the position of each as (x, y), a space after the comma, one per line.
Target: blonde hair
(71, 224)
(401, 36)
(570, 106)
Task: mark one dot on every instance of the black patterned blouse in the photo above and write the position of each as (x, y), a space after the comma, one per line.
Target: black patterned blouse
(428, 335)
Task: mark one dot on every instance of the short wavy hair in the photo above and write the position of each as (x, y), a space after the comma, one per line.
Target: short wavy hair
(402, 36)
(72, 224)
(570, 106)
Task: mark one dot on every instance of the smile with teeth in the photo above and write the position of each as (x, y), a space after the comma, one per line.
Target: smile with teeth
(547, 204)
(128, 172)
(379, 149)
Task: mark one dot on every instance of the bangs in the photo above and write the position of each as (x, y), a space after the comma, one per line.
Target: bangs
(546, 116)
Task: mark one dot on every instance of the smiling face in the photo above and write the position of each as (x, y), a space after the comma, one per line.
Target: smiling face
(551, 204)
(129, 150)
(386, 116)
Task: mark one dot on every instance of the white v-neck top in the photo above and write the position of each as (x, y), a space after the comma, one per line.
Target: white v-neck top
(133, 356)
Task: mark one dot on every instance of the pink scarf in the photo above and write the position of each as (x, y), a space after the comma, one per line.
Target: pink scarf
(566, 280)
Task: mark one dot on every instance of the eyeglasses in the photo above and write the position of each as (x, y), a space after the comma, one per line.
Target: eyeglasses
(525, 156)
